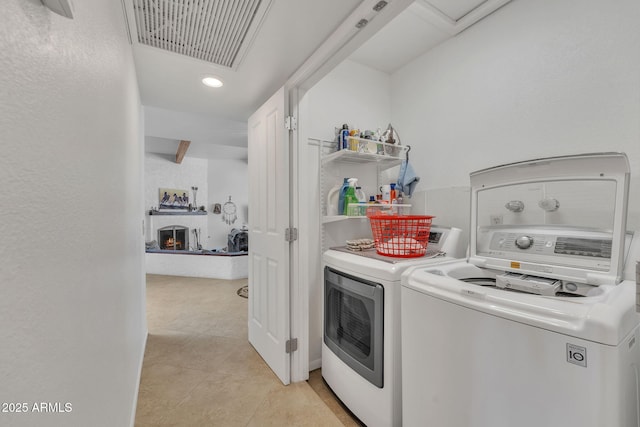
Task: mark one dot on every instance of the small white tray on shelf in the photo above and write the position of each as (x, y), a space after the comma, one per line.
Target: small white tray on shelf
(360, 150)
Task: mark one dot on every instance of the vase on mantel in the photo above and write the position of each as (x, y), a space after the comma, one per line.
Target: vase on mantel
(195, 201)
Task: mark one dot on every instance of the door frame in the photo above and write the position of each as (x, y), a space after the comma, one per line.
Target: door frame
(299, 287)
(340, 44)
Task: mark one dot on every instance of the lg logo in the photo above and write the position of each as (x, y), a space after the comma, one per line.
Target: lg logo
(577, 355)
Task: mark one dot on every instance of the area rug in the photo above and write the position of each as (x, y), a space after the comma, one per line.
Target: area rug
(243, 291)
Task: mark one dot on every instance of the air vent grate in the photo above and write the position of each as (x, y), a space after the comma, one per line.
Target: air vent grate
(209, 30)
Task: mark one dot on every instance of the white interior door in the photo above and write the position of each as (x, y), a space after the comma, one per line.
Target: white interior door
(269, 217)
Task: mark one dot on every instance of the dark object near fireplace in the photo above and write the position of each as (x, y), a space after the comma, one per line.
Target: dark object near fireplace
(238, 241)
(174, 237)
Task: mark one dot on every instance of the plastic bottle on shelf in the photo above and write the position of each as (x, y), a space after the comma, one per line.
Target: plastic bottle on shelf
(392, 193)
(332, 200)
(378, 137)
(350, 196)
(343, 192)
(362, 198)
(353, 141)
(397, 209)
(360, 195)
(386, 193)
(372, 201)
(344, 137)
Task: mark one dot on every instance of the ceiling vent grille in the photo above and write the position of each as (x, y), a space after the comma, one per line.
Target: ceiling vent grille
(217, 31)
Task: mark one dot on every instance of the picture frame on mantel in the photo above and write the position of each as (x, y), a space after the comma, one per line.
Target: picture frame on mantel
(173, 198)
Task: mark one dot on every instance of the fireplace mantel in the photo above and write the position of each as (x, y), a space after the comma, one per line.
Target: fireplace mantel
(198, 212)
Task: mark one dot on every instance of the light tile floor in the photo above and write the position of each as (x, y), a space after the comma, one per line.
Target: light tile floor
(200, 370)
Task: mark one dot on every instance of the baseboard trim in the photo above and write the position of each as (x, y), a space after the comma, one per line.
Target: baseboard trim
(138, 377)
(315, 364)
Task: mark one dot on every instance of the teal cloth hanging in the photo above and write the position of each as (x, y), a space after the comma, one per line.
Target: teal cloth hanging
(407, 179)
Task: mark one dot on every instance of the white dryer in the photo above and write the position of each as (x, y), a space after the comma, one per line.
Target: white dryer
(361, 344)
(538, 327)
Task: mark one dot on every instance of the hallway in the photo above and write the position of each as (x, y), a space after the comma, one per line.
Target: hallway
(200, 370)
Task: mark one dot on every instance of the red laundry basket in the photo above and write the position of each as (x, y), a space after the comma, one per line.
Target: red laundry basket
(402, 236)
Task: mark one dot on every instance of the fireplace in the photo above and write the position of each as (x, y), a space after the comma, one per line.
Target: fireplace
(174, 237)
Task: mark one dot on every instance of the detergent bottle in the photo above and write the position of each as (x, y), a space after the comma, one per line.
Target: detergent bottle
(362, 199)
(332, 200)
(350, 196)
(343, 191)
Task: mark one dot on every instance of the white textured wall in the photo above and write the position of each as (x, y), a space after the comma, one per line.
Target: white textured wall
(535, 79)
(72, 300)
(162, 171)
(352, 94)
(227, 178)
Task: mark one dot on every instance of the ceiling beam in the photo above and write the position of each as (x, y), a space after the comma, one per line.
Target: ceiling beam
(182, 150)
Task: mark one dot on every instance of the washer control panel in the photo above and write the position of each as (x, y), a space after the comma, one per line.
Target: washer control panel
(576, 259)
(545, 249)
(549, 244)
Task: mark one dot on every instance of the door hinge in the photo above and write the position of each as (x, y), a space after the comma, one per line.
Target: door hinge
(290, 123)
(291, 345)
(291, 234)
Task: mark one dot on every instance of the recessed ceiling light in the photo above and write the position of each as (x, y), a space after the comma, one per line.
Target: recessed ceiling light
(212, 82)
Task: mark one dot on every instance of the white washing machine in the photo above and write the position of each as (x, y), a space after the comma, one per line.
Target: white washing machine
(361, 345)
(538, 327)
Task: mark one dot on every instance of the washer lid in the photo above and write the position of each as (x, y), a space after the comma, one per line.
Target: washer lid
(558, 217)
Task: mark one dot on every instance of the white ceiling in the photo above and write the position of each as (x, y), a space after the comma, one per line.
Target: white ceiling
(419, 28)
(406, 37)
(178, 106)
(290, 32)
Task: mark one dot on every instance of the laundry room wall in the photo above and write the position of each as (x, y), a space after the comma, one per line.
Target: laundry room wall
(534, 79)
(352, 94)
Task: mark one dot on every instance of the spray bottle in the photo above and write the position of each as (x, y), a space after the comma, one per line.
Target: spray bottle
(350, 196)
